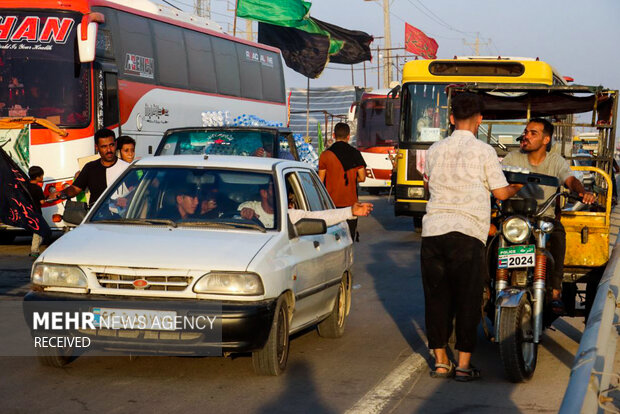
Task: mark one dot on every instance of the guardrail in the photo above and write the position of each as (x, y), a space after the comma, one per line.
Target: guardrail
(592, 370)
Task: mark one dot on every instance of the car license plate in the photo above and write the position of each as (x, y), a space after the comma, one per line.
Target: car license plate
(114, 318)
(516, 256)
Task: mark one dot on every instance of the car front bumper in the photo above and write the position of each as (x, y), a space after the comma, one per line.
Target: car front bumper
(243, 326)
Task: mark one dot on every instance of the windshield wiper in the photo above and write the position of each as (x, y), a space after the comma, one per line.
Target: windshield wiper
(168, 222)
(224, 224)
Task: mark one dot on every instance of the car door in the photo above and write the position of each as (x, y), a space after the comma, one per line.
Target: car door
(329, 253)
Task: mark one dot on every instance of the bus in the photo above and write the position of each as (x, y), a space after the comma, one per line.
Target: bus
(376, 140)
(424, 116)
(68, 68)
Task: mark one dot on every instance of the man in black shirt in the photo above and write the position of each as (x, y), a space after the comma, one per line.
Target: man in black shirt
(97, 175)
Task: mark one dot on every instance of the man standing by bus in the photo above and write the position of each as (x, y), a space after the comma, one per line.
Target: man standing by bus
(341, 167)
(97, 175)
(534, 155)
(461, 174)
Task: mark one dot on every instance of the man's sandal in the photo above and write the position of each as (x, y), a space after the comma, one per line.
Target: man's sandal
(448, 374)
(471, 374)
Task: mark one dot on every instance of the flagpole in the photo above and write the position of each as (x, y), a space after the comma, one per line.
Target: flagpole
(235, 19)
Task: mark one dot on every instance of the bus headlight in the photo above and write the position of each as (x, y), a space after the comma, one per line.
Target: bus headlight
(415, 192)
(516, 229)
(58, 275)
(225, 283)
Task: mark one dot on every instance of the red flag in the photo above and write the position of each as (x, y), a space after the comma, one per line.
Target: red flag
(420, 44)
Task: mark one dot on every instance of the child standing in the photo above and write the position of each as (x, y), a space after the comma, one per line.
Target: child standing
(34, 188)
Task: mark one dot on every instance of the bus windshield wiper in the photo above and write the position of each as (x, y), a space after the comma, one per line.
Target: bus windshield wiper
(168, 222)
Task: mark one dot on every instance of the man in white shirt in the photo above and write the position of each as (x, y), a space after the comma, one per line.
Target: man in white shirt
(263, 211)
(461, 173)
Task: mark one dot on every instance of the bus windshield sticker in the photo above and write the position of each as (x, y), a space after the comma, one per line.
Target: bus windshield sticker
(139, 66)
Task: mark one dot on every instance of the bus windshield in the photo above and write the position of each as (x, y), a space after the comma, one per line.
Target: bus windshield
(371, 128)
(425, 111)
(40, 72)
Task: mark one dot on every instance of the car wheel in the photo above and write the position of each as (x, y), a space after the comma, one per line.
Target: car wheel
(271, 360)
(333, 326)
(54, 357)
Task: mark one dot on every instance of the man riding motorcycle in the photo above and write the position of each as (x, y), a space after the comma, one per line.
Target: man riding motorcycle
(534, 156)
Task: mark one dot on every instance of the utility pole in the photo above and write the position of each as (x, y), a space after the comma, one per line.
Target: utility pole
(387, 45)
(249, 33)
(476, 44)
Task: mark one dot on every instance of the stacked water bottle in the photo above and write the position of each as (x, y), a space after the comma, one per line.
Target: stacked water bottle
(305, 150)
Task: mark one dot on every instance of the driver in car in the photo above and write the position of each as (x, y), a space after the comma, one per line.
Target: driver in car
(534, 156)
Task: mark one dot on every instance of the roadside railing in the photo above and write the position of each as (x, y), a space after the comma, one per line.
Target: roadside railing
(592, 371)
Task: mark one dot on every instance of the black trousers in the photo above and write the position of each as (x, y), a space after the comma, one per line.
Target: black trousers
(557, 247)
(452, 276)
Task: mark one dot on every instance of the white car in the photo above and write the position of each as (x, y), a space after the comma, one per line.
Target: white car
(142, 252)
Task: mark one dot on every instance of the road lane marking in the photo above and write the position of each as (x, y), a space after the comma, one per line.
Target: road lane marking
(376, 399)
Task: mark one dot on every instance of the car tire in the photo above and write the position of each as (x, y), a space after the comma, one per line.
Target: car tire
(333, 326)
(271, 359)
(54, 357)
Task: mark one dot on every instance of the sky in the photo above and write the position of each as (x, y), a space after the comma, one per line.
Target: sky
(578, 38)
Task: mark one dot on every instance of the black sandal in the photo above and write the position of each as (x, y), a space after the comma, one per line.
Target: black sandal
(472, 374)
(449, 374)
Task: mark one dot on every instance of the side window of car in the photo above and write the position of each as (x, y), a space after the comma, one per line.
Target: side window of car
(313, 193)
(326, 199)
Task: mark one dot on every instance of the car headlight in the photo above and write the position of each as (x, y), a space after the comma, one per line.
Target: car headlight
(516, 229)
(225, 283)
(415, 192)
(58, 275)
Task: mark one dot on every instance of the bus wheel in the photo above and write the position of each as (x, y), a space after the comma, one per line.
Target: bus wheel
(417, 224)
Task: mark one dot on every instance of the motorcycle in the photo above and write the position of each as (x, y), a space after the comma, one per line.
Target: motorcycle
(518, 295)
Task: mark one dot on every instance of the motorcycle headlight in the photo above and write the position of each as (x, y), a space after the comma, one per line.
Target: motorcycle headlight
(546, 226)
(516, 230)
(58, 275)
(224, 283)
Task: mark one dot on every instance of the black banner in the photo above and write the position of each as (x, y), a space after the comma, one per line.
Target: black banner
(304, 52)
(16, 204)
(356, 47)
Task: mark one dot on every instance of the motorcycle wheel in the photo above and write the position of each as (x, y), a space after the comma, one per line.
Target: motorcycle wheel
(516, 346)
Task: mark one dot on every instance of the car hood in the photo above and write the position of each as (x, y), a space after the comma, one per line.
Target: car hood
(157, 247)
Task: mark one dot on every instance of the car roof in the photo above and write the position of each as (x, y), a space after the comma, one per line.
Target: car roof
(281, 129)
(218, 161)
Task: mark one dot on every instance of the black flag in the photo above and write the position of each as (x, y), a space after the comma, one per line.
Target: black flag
(302, 51)
(356, 46)
(16, 205)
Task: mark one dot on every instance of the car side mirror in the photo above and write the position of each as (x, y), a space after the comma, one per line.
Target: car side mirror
(75, 211)
(309, 227)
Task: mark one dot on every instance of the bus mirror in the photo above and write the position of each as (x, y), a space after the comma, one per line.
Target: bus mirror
(389, 112)
(87, 41)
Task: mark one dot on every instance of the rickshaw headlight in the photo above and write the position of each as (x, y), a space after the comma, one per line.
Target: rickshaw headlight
(516, 230)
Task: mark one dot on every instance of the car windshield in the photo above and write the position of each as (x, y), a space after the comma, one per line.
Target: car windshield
(191, 197)
(40, 74)
(221, 142)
